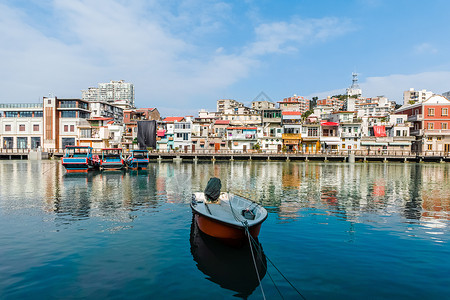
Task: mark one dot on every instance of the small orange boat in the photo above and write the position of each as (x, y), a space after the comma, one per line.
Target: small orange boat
(229, 217)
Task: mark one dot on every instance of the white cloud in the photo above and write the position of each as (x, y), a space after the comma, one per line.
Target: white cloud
(150, 43)
(425, 48)
(281, 37)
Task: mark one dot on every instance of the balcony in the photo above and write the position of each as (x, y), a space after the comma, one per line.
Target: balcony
(291, 136)
(350, 134)
(436, 131)
(415, 118)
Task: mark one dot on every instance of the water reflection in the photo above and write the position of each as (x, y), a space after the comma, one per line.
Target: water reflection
(231, 268)
(417, 193)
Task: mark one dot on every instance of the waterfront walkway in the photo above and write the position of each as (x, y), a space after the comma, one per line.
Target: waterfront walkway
(230, 155)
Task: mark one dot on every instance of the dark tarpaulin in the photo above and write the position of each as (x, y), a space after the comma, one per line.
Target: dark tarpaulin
(146, 135)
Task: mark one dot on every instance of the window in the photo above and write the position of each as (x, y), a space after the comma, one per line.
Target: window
(7, 127)
(11, 114)
(38, 114)
(399, 121)
(68, 114)
(85, 133)
(49, 101)
(8, 143)
(66, 128)
(444, 126)
(430, 147)
(67, 141)
(72, 128)
(83, 115)
(35, 142)
(22, 142)
(26, 114)
(22, 127)
(36, 127)
(430, 126)
(439, 138)
(430, 139)
(398, 133)
(445, 111)
(431, 111)
(312, 131)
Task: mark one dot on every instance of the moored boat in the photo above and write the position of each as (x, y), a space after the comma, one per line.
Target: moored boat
(77, 158)
(229, 218)
(138, 160)
(111, 159)
(230, 267)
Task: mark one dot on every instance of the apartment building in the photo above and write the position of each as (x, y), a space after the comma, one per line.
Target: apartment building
(295, 103)
(412, 96)
(430, 123)
(111, 92)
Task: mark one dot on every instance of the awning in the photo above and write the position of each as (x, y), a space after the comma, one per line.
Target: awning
(379, 130)
(329, 124)
(373, 144)
(400, 144)
(161, 132)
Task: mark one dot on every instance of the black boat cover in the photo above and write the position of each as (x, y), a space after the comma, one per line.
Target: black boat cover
(146, 135)
(212, 190)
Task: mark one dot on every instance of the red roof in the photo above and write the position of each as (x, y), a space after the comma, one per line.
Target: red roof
(222, 122)
(111, 122)
(173, 119)
(330, 124)
(236, 128)
(291, 113)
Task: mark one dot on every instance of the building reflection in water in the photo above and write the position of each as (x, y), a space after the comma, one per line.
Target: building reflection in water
(417, 192)
(231, 268)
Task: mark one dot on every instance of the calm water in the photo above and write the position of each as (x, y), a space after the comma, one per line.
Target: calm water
(335, 230)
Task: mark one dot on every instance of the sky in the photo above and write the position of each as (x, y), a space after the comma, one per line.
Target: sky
(184, 55)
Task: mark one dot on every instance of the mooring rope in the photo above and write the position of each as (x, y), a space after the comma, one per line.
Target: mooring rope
(254, 260)
(252, 242)
(287, 280)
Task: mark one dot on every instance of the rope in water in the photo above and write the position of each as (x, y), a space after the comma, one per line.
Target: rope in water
(245, 224)
(252, 242)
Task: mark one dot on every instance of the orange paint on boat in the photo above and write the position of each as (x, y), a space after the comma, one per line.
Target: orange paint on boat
(224, 231)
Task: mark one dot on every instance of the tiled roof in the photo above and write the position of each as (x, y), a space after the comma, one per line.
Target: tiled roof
(222, 122)
(291, 113)
(173, 119)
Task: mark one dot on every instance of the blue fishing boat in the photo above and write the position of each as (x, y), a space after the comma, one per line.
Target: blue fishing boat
(138, 160)
(77, 158)
(111, 159)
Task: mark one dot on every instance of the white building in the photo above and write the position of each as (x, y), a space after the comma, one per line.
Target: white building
(412, 97)
(106, 110)
(224, 104)
(21, 125)
(112, 92)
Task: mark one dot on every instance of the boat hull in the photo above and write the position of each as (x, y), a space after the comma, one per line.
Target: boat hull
(75, 164)
(223, 230)
(138, 164)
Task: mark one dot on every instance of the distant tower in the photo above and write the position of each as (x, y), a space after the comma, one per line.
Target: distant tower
(353, 92)
(354, 89)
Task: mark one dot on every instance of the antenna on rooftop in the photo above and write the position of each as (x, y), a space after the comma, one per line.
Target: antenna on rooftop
(262, 97)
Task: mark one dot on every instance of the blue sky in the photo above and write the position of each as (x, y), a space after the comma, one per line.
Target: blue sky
(184, 55)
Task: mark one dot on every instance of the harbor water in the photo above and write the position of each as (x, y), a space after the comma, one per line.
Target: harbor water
(334, 230)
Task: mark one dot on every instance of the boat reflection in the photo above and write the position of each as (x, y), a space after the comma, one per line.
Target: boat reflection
(231, 268)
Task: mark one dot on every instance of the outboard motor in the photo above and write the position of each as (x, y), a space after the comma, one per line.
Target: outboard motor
(212, 190)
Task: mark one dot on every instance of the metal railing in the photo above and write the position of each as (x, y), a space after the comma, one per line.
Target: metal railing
(252, 152)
